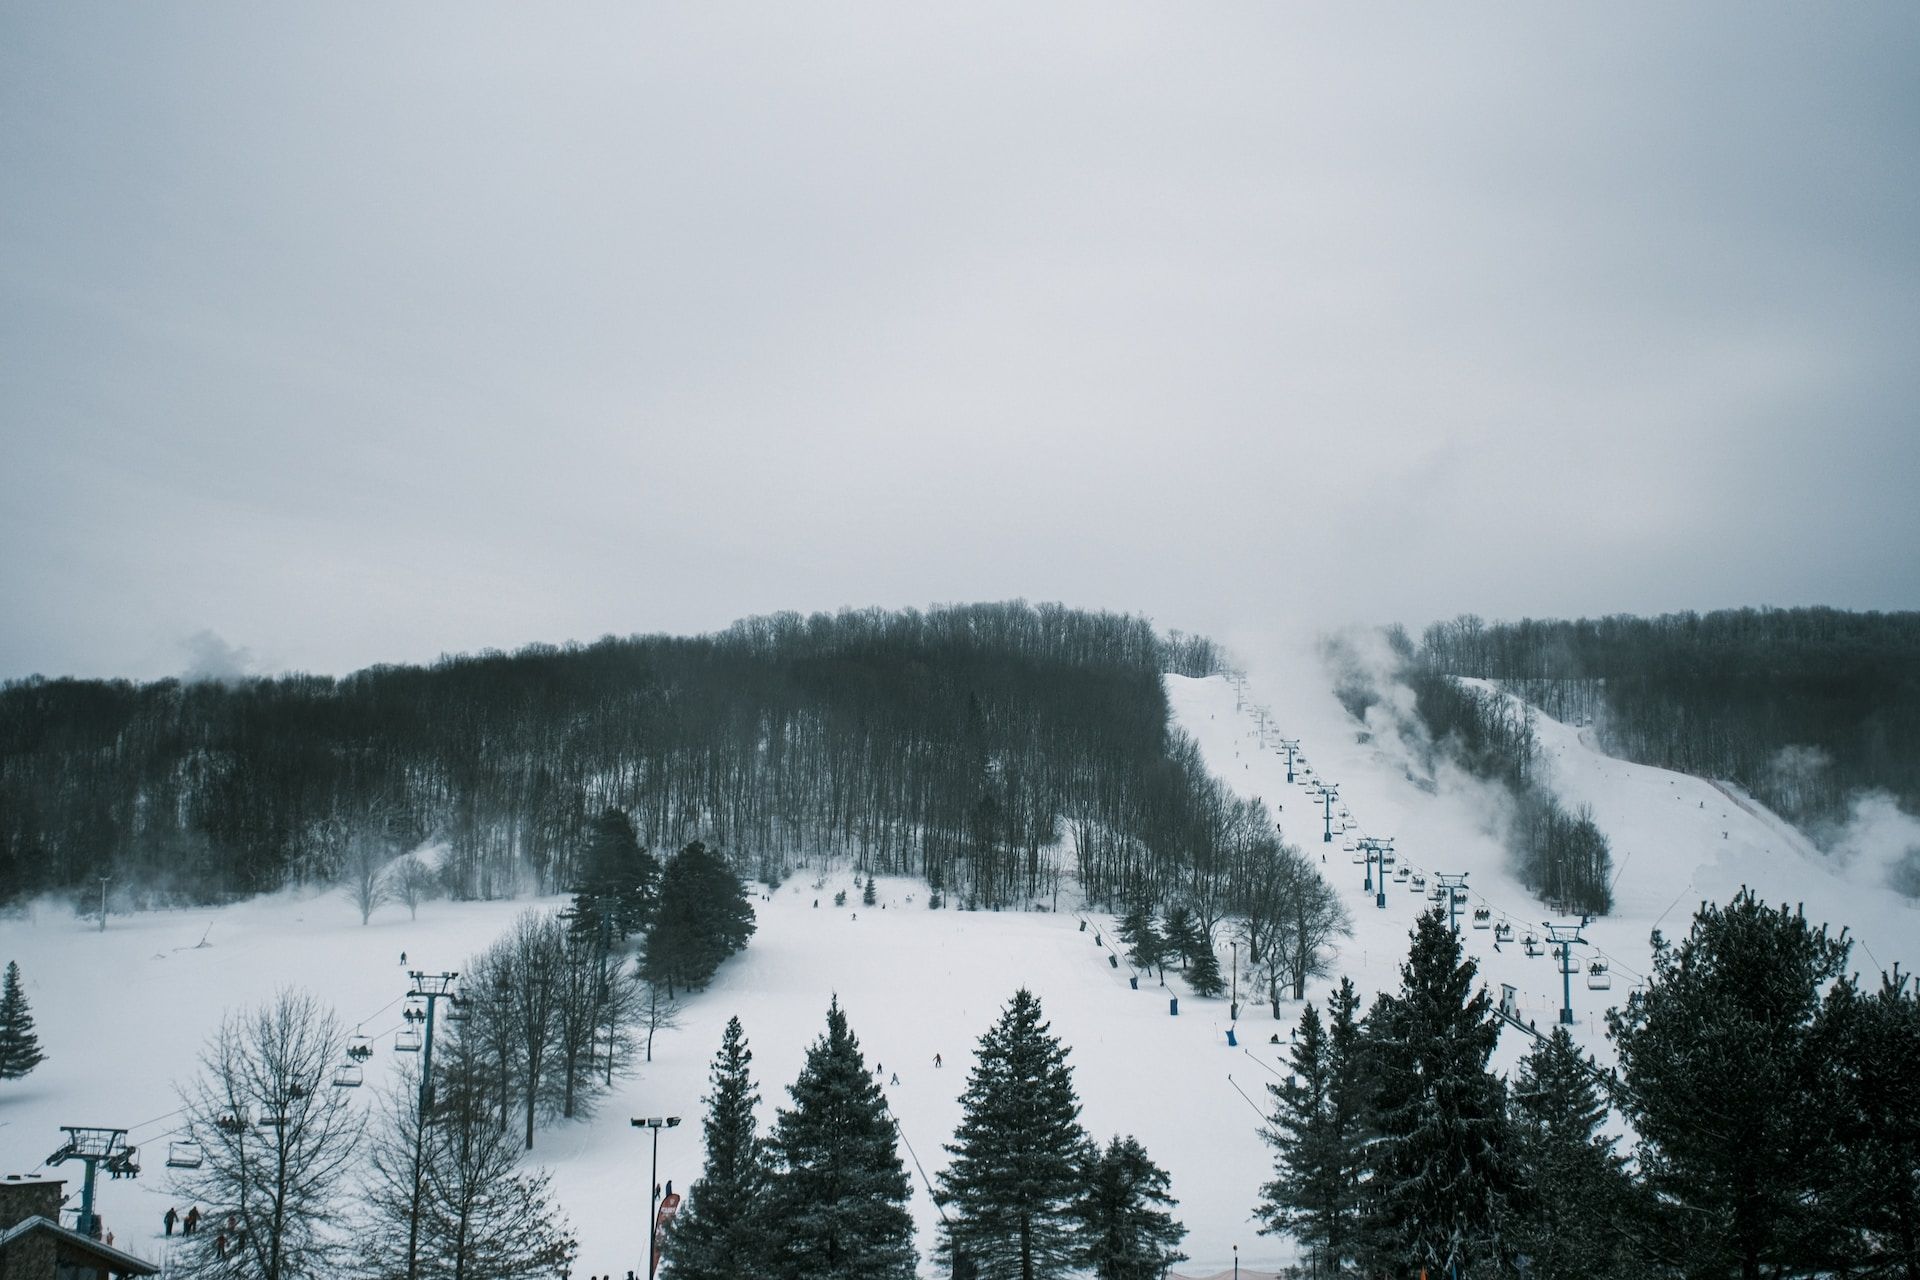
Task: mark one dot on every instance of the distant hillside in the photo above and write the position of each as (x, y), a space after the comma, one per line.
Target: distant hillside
(950, 744)
(1805, 708)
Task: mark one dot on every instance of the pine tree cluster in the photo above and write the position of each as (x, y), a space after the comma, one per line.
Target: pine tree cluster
(1026, 1194)
(1776, 1103)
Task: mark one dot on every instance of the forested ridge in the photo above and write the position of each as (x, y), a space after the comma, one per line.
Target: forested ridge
(1802, 707)
(952, 743)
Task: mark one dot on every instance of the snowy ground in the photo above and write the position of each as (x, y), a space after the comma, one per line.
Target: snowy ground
(123, 1013)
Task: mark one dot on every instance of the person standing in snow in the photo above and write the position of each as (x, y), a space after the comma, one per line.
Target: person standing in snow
(193, 1220)
(936, 1060)
(173, 1216)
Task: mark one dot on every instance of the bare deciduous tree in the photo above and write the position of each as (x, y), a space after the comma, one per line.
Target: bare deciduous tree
(278, 1143)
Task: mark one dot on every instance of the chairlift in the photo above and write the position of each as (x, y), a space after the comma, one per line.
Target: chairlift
(1599, 977)
(1350, 846)
(232, 1122)
(348, 1075)
(1359, 859)
(185, 1154)
(123, 1163)
(1386, 857)
(1503, 933)
(1419, 882)
(360, 1048)
(1482, 918)
(1532, 944)
(271, 1120)
(406, 1040)
(1401, 875)
(1439, 893)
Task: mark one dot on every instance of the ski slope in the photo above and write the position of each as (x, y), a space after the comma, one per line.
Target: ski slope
(124, 1013)
(1676, 840)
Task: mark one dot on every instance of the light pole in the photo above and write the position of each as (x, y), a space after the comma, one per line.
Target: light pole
(1236, 1262)
(655, 1123)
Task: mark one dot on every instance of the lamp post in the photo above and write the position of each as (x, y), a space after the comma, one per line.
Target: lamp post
(655, 1123)
(1236, 1262)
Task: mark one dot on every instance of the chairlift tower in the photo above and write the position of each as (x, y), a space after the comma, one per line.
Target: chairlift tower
(1292, 747)
(95, 1146)
(431, 987)
(1456, 887)
(1377, 850)
(1329, 792)
(1563, 938)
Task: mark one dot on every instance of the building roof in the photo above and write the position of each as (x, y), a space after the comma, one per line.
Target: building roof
(108, 1256)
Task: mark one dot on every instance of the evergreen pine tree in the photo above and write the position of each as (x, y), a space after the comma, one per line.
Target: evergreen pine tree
(1723, 1064)
(703, 917)
(1146, 949)
(1017, 1155)
(1203, 969)
(1873, 1048)
(1318, 1131)
(1306, 1197)
(1579, 1218)
(1350, 1103)
(719, 1232)
(837, 1200)
(1439, 1170)
(867, 896)
(1128, 1231)
(19, 1046)
(617, 875)
(1181, 935)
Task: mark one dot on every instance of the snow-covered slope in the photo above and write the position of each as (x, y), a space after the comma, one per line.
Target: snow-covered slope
(124, 1013)
(1676, 840)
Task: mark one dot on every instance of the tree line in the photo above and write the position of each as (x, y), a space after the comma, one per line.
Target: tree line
(951, 744)
(1773, 1097)
(1803, 708)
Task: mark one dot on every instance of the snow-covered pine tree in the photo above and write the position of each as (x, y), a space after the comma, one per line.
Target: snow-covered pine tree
(868, 896)
(1017, 1156)
(1439, 1167)
(1722, 1058)
(1128, 1231)
(1579, 1218)
(718, 1235)
(19, 1045)
(838, 1194)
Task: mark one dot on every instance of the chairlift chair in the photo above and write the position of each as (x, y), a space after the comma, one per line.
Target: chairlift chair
(360, 1048)
(1401, 875)
(406, 1040)
(272, 1120)
(1419, 882)
(1482, 918)
(232, 1122)
(348, 1075)
(1532, 944)
(1599, 978)
(185, 1154)
(1359, 858)
(1503, 933)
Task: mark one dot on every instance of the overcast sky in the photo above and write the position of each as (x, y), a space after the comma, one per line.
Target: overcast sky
(330, 337)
